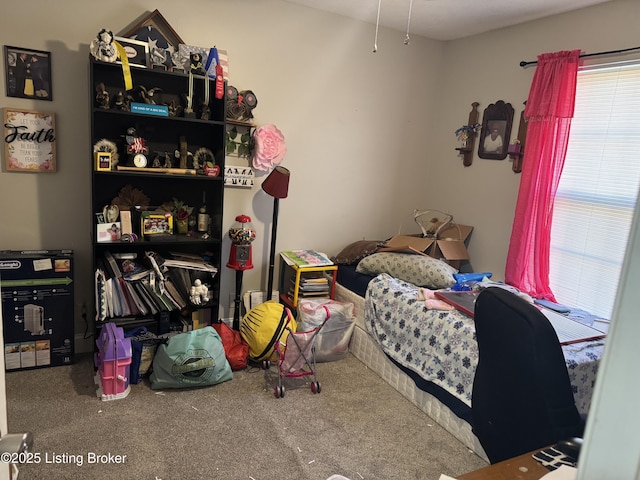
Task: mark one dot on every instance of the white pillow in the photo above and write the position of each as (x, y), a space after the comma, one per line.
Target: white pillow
(420, 270)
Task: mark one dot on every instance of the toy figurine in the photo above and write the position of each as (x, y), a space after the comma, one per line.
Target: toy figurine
(136, 148)
(205, 111)
(147, 95)
(102, 47)
(122, 102)
(175, 109)
(197, 64)
(199, 293)
(102, 96)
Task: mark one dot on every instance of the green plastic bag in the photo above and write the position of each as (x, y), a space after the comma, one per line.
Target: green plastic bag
(190, 359)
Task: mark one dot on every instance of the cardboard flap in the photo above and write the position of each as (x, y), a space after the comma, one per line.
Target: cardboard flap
(455, 231)
(417, 242)
(453, 249)
(402, 249)
(450, 246)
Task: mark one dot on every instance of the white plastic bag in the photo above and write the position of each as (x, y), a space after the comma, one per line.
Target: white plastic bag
(332, 342)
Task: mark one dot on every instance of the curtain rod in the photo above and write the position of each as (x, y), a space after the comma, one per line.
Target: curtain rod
(612, 52)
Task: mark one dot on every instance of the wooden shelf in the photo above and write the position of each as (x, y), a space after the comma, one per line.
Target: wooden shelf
(467, 152)
(177, 179)
(287, 272)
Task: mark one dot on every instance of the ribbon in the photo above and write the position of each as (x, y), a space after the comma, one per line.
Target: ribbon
(219, 82)
(213, 55)
(206, 91)
(126, 71)
(211, 58)
(219, 75)
(190, 96)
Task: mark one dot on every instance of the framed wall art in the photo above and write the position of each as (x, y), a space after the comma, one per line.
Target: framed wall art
(27, 73)
(29, 140)
(162, 39)
(496, 131)
(137, 51)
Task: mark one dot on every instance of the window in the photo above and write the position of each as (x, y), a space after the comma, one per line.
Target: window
(598, 189)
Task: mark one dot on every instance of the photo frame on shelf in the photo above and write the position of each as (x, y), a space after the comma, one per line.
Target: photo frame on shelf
(29, 141)
(103, 161)
(27, 73)
(162, 39)
(496, 131)
(137, 51)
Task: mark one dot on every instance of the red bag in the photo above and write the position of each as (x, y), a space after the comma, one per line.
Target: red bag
(235, 348)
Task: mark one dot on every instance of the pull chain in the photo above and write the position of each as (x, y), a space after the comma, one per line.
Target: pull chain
(375, 41)
(407, 40)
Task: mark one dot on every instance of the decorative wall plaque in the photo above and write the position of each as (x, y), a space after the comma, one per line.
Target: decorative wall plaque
(29, 140)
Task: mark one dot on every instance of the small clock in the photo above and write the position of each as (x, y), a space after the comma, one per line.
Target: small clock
(140, 160)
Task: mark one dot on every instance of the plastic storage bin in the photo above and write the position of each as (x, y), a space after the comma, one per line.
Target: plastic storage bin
(113, 361)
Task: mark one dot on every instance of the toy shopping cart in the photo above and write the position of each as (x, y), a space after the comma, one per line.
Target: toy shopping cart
(296, 357)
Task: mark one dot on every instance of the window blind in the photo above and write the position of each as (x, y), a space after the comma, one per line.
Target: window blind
(598, 189)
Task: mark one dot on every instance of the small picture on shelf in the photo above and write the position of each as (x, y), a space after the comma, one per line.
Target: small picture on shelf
(103, 160)
(137, 51)
(157, 223)
(108, 232)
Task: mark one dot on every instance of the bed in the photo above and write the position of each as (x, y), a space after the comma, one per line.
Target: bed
(430, 355)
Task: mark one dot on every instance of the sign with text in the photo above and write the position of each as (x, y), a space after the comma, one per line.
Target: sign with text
(29, 140)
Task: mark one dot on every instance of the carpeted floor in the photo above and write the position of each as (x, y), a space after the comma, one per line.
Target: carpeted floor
(358, 426)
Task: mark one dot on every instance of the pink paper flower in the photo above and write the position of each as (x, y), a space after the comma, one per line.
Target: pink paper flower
(269, 147)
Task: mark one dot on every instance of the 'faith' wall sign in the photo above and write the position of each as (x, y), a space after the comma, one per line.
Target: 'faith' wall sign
(29, 140)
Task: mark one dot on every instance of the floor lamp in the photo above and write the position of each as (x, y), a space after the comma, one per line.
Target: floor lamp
(277, 186)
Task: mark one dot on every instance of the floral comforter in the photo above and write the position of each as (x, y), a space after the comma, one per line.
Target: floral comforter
(440, 346)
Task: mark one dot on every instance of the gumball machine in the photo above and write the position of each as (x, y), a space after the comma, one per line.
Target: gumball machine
(242, 234)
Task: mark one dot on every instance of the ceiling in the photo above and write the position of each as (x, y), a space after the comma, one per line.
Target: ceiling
(447, 19)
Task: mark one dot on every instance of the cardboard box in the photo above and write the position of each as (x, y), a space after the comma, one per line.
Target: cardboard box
(450, 245)
(37, 293)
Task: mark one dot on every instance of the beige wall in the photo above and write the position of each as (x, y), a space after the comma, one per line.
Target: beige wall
(485, 68)
(369, 136)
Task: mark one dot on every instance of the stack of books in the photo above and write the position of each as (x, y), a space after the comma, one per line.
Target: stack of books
(312, 284)
(129, 286)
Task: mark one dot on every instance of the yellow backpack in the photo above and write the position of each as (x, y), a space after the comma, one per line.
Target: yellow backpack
(263, 326)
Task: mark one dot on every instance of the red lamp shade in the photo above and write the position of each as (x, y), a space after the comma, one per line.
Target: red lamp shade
(277, 183)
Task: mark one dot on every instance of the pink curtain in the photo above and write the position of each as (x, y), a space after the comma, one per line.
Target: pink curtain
(549, 110)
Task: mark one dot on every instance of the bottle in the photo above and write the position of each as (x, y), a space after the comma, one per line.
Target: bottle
(203, 217)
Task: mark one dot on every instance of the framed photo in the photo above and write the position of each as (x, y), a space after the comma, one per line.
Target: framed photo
(29, 141)
(103, 161)
(496, 131)
(162, 39)
(154, 223)
(27, 73)
(137, 51)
